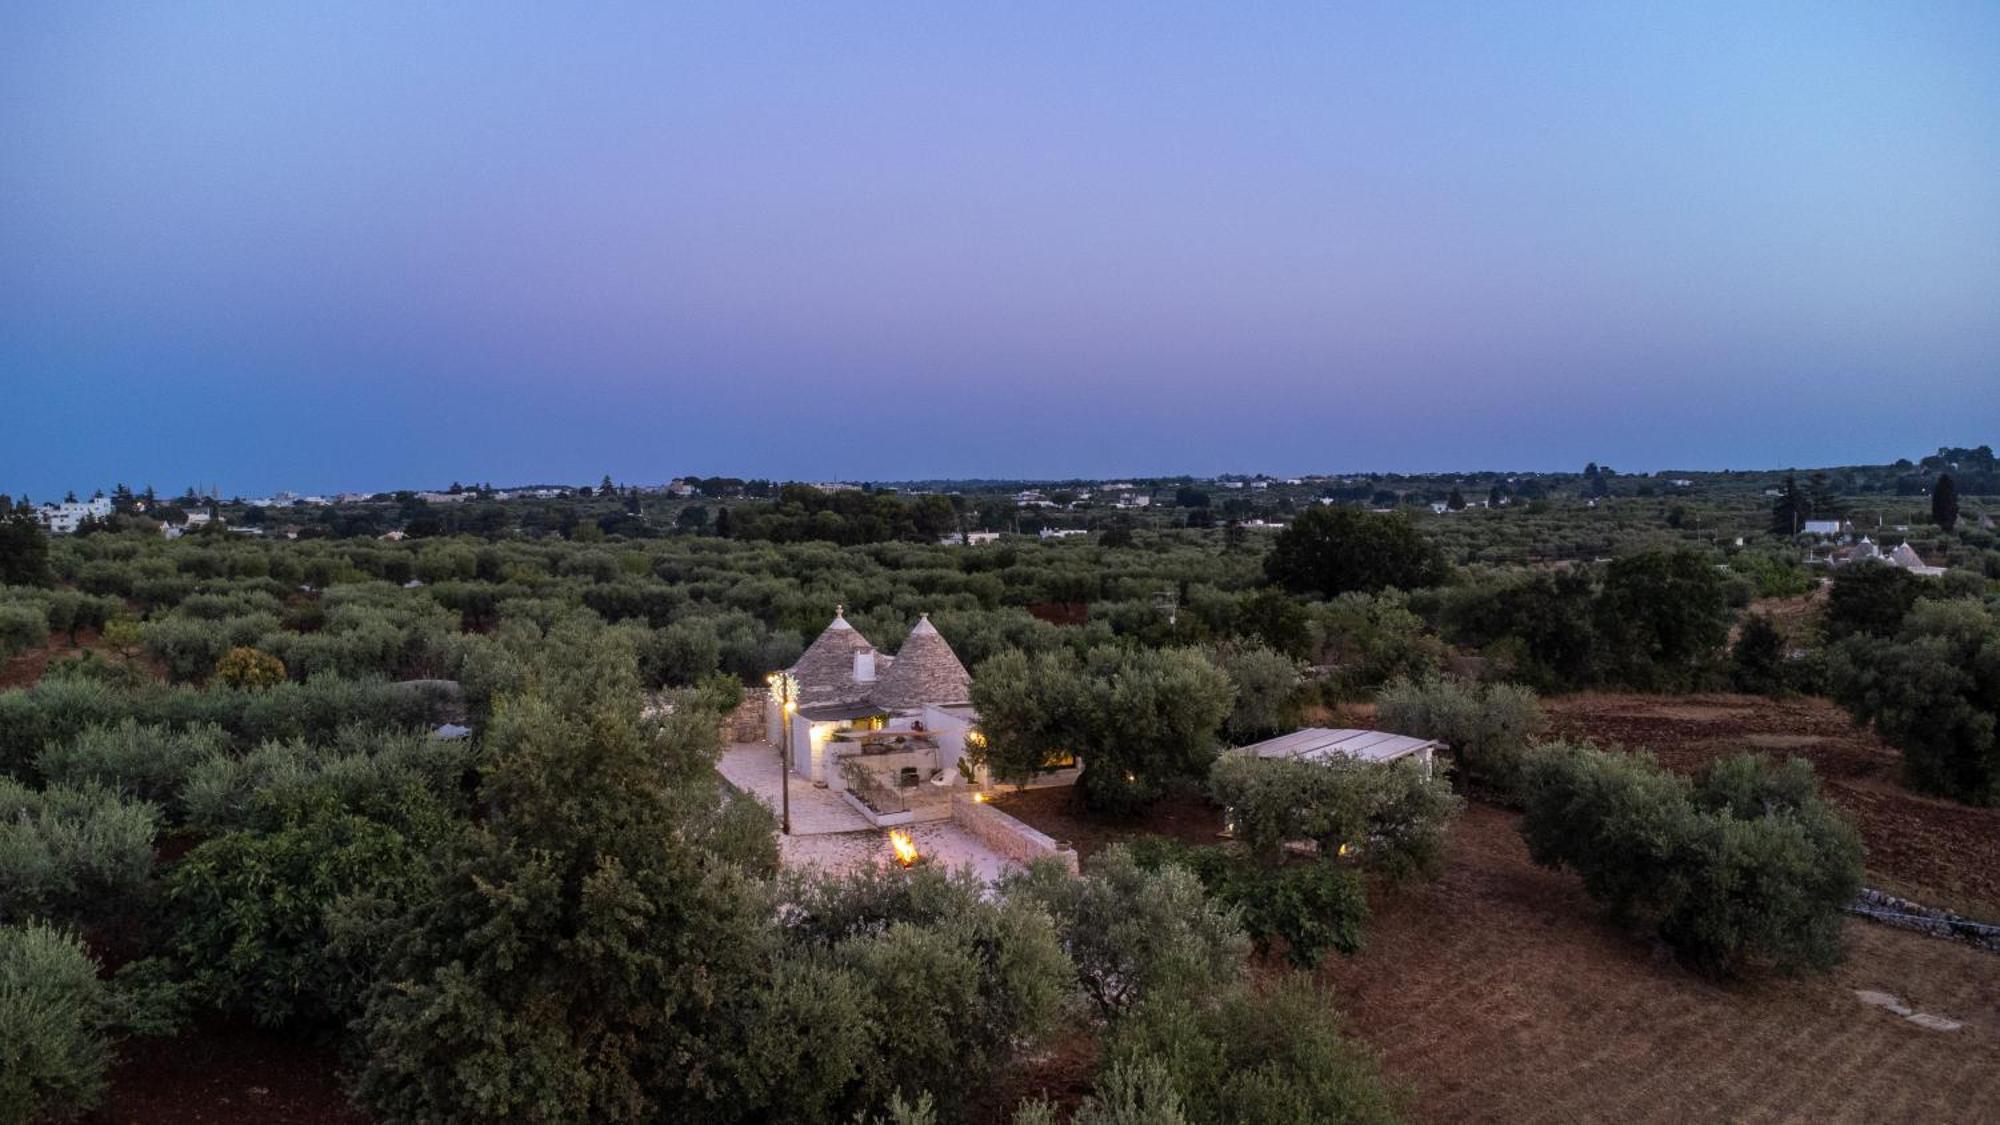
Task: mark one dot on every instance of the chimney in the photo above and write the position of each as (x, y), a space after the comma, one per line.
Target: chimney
(864, 666)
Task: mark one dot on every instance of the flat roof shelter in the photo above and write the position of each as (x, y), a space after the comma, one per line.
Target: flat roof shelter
(1315, 744)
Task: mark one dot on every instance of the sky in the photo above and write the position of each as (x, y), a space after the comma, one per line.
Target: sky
(370, 245)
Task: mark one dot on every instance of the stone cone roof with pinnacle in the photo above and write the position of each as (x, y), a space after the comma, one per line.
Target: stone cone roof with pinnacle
(925, 671)
(825, 671)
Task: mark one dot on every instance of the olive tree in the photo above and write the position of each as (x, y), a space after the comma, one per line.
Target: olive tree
(1140, 720)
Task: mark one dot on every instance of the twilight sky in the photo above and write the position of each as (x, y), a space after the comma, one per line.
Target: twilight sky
(385, 244)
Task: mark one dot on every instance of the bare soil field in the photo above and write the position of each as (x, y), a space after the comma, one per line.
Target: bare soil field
(24, 669)
(226, 1074)
(1501, 993)
(1925, 848)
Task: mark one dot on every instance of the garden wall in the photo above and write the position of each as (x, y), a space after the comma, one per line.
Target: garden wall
(1006, 835)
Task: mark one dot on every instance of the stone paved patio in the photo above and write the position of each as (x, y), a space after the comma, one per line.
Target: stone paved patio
(828, 833)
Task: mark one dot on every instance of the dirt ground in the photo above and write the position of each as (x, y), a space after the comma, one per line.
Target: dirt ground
(1056, 811)
(1937, 851)
(225, 1073)
(24, 669)
(1501, 993)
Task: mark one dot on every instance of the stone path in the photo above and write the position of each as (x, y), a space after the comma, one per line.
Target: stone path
(754, 768)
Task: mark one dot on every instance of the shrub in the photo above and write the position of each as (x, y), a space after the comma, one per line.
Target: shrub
(1273, 1054)
(245, 667)
(22, 627)
(1757, 660)
(71, 852)
(1933, 691)
(1389, 817)
(1487, 727)
(1539, 625)
(1870, 598)
(1372, 638)
(1743, 868)
(253, 914)
(1266, 682)
(1662, 616)
(151, 763)
(1131, 931)
(52, 1007)
(1307, 909)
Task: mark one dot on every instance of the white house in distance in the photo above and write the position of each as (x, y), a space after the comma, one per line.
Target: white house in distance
(886, 731)
(66, 517)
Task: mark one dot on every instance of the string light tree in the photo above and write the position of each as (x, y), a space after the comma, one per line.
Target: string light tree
(785, 691)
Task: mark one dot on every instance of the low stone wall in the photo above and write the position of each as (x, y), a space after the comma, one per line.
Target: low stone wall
(1006, 835)
(1906, 915)
(746, 723)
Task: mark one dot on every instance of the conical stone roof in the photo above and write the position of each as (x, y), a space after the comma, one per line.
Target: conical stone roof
(925, 671)
(825, 671)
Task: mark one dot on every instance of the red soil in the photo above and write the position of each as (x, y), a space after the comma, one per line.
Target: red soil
(227, 1074)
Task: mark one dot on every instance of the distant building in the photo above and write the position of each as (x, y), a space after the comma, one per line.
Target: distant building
(1826, 529)
(970, 539)
(1906, 557)
(66, 517)
(1062, 532)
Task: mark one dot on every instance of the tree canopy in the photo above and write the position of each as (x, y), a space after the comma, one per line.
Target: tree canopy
(1334, 550)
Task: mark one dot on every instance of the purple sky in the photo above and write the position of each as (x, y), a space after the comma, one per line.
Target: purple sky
(364, 245)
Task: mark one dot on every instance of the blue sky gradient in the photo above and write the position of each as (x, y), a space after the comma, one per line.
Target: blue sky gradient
(371, 245)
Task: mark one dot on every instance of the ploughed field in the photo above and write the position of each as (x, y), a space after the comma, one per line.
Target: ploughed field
(1502, 993)
(1925, 848)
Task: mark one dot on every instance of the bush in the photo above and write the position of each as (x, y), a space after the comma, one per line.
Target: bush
(1273, 1054)
(409, 782)
(1776, 867)
(151, 763)
(1132, 931)
(1307, 909)
(1757, 661)
(53, 1051)
(1487, 727)
(253, 914)
(1266, 683)
(1870, 598)
(1662, 617)
(1743, 868)
(1373, 638)
(245, 667)
(1539, 626)
(1388, 817)
(71, 852)
(22, 627)
(1933, 692)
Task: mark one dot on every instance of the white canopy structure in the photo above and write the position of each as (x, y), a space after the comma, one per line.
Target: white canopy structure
(1319, 743)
